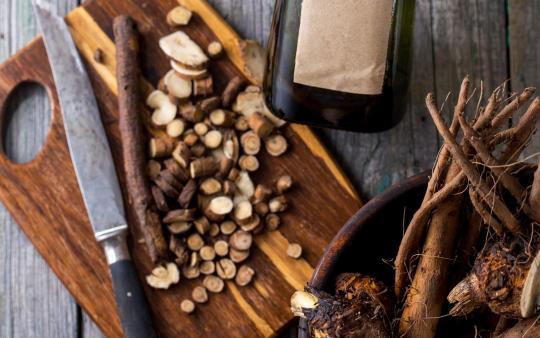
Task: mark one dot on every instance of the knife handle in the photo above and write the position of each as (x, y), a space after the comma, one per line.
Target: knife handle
(130, 300)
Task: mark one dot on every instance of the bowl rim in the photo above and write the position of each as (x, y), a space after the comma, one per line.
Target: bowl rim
(341, 241)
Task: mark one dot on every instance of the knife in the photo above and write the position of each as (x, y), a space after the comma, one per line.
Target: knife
(95, 170)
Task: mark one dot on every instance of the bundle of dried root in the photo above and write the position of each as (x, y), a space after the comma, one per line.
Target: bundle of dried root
(477, 173)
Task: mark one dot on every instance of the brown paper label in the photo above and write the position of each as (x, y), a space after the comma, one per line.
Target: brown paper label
(343, 45)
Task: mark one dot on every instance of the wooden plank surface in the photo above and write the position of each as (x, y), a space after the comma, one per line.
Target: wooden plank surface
(33, 303)
(525, 51)
(451, 39)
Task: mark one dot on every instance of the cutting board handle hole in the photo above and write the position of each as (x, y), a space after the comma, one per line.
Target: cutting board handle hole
(25, 122)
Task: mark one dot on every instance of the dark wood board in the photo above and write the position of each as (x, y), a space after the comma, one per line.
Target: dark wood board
(43, 195)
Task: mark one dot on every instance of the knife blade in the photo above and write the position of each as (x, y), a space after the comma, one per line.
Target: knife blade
(94, 168)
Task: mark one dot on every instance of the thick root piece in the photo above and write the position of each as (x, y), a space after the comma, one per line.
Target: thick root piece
(330, 316)
(497, 279)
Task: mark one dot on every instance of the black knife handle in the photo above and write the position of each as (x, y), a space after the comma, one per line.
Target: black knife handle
(130, 301)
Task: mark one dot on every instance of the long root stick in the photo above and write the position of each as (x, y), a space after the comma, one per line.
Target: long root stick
(131, 129)
(486, 215)
(425, 298)
(523, 131)
(415, 231)
(509, 182)
(499, 207)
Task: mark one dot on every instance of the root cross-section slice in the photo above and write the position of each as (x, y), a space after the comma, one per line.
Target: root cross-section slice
(163, 276)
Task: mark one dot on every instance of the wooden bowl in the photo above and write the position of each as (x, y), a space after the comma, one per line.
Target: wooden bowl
(369, 241)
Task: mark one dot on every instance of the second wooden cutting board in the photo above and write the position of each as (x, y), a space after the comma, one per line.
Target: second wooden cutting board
(43, 195)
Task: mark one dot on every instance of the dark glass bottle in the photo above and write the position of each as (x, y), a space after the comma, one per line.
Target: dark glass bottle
(318, 105)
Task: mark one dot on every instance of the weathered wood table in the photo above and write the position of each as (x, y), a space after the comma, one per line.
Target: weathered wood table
(490, 40)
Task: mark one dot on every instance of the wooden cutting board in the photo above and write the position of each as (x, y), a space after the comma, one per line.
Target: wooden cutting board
(44, 199)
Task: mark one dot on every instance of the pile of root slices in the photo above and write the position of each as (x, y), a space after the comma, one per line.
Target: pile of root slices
(201, 170)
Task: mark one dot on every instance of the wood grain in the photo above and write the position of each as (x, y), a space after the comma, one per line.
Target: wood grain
(33, 302)
(372, 162)
(327, 199)
(524, 54)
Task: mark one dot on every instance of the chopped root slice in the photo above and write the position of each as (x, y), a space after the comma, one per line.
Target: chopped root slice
(238, 256)
(177, 86)
(157, 99)
(260, 125)
(163, 276)
(213, 284)
(213, 139)
(251, 101)
(243, 211)
(214, 49)
(182, 154)
(153, 168)
(198, 150)
(283, 184)
(191, 113)
(202, 225)
(262, 209)
(227, 227)
(191, 272)
(219, 206)
(301, 300)
(251, 143)
(182, 49)
(203, 87)
(241, 240)
(221, 248)
(214, 230)
(168, 177)
(244, 184)
(231, 91)
(188, 74)
(178, 16)
(200, 128)
(187, 306)
(199, 295)
(294, 250)
(262, 193)
(229, 188)
(252, 223)
(179, 172)
(231, 146)
(159, 198)
(187, 193)
(207, 267)
(241, 123)
(179, 228)
(210, 104)
(278, 204)
(222, 118)
(161, 147)
(175, 128)
(164, 115)
(248, 163)
(194, 259)
(254, 56)
(273, 222)
(276, 145)
(207, 253)
(244, 275)
(190, 138)
(226, 269)
(210, 186)
(203, 167)
(195, 242)
(180, 215)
